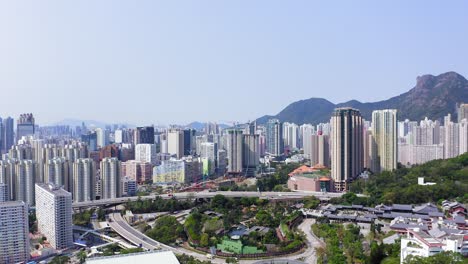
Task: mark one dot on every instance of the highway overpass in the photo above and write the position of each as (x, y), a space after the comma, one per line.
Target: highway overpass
(209, 195)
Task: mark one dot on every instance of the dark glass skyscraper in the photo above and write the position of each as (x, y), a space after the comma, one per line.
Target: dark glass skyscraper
(25, 126)
(8, 135)
(189, 141)
(144, 135)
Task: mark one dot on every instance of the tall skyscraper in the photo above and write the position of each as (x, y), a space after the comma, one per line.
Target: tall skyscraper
(91, 140)
(175, 142)
(25, 126)
(274, 137)
(25, 180)
(346, 146)
(462, 112)
(251, 154)
(54, 214)
(14, 232)
(385, 133)
(8, 134)
(58, 172)
(144, 135)
(234, 150)
(110, 178)
(4, 196)
(189, 141)
(102, 137)
(452, 137)
(8, 176)
(145, 153)
(290, 135)
(84, 180)
(463, 134)
(208, 151)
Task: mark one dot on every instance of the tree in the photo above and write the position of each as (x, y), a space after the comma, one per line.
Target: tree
(446, 257)
(82, 256)
(311, 202)
(204, 240)
(166, 230)
(60, 260)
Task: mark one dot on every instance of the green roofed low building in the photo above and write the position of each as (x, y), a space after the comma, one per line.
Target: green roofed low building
(235, 246)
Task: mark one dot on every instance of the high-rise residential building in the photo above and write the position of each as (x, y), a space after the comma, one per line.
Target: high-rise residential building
(234, 150)
(346, 146)
(175, 142)
(58, 172)
(118, 136)
(144, 135)
(14, 232)
(84, 180)
(91, 140)
(129, 187)
(102, 137)
(452, 137)
(222, 162)
(169, 172)
(182, 171)
(8, 134)
(21, 152)
(384, 131)
(25, 126)
(4, 196)
(211, 128)
(305, 131)
(72, 152)
(54, 215)
(8, 176)
(140, 172)
(25, 180)
(370, 156)
(409, 154)
(290, 135)
(189, 142)
(208, 152)
(463, 136)
(110, 178)
(145, 153)
(462, 112)
(274, 137)
(251, 154)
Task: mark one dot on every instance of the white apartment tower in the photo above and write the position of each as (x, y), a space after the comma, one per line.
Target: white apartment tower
(14, 232)
(84, 180)
(145, 153)
(451, 143)
(234, 150)
(25, 180)
(57, 171)
(385, 133)
(54, 214)
(110, 178)
(175, 142)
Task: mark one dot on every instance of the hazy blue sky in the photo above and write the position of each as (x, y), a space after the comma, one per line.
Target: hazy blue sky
(172, 61)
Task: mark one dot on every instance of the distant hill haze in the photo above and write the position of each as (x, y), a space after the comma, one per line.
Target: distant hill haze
(433, 97)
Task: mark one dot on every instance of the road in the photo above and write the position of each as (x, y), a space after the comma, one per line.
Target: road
(119, 225)
(206, 195)
(312, 241)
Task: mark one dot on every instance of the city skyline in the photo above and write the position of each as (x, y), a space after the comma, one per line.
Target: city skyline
(164, 62)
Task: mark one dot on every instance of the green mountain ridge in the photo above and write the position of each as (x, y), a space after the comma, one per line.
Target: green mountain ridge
(432, 97)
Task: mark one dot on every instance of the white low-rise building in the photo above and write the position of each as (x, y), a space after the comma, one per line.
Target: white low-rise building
(425, 244)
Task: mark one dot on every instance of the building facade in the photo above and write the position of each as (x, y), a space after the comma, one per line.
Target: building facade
(54, 215)
(346, 146)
